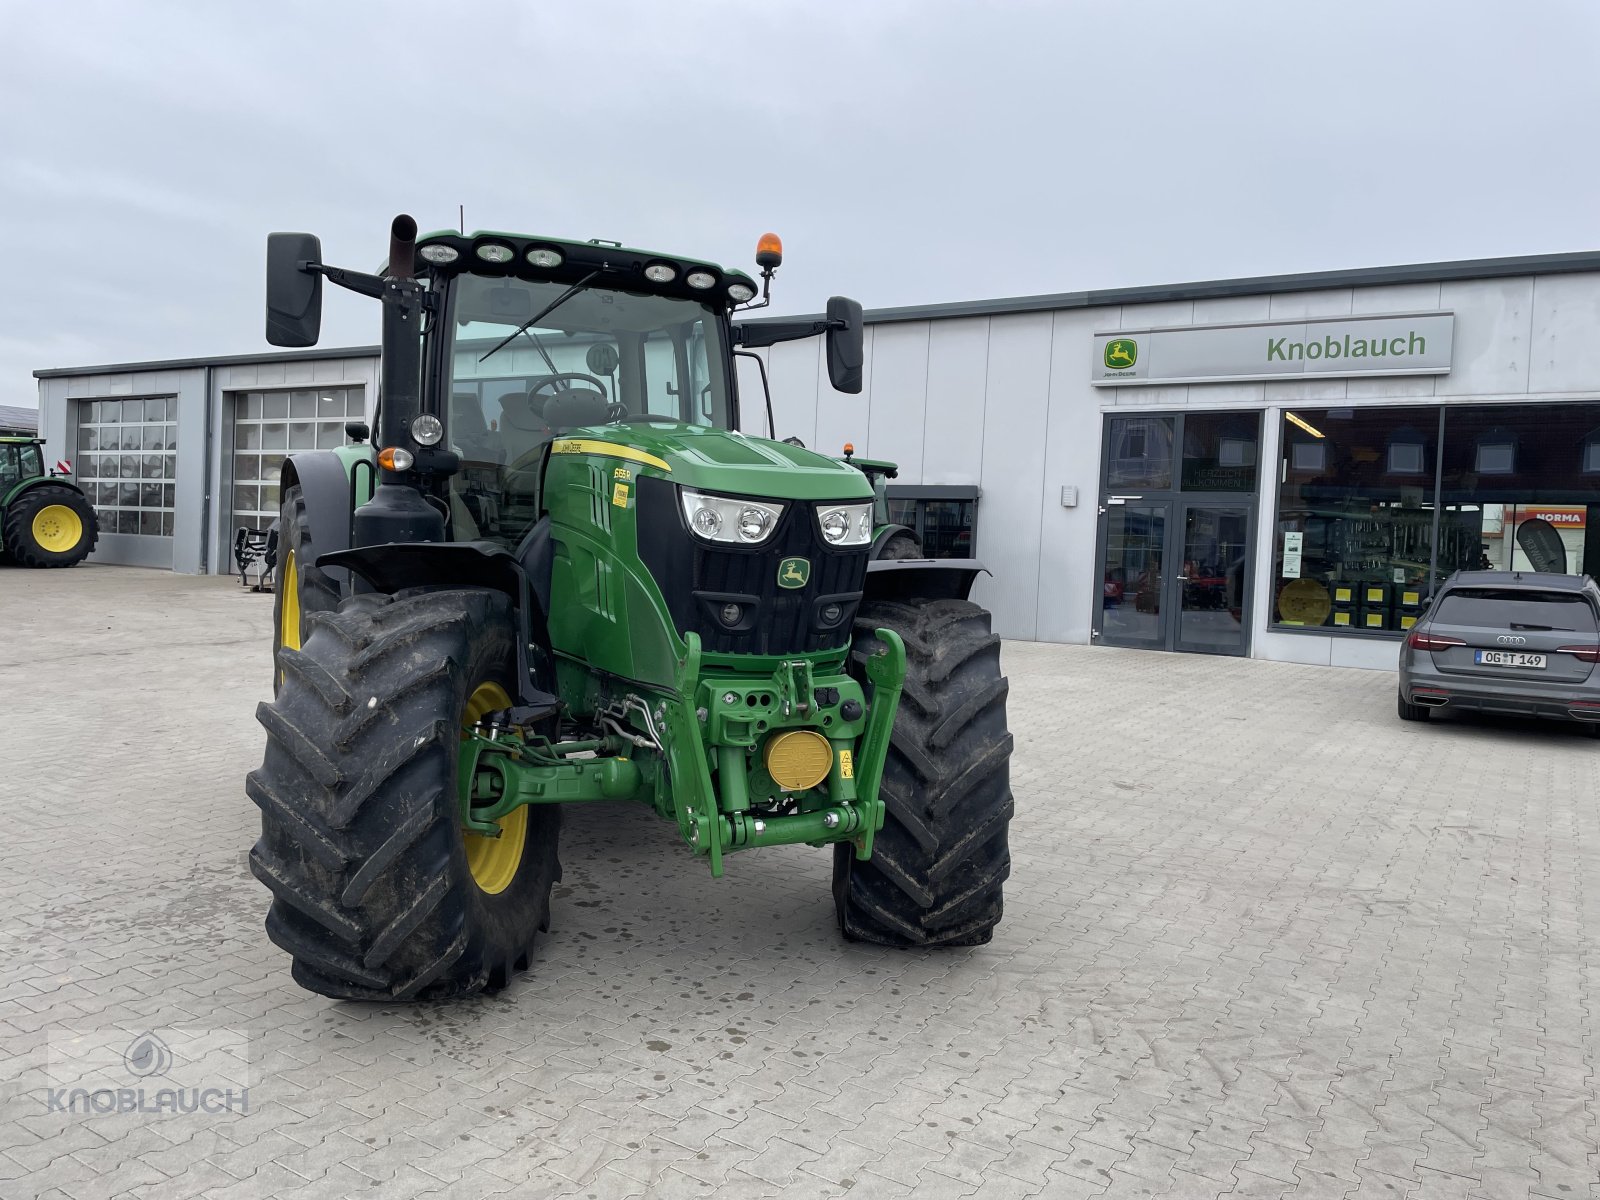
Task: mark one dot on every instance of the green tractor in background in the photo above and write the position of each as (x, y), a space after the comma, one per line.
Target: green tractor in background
(560, 574)
(45, 519)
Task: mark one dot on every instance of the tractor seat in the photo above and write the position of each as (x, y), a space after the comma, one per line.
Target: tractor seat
(568, 407)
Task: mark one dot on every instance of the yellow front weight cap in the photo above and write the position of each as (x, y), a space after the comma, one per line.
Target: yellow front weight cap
(798, 759)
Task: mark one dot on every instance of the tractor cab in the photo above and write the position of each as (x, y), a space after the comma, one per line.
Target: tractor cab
(20, 458)
(596, 357)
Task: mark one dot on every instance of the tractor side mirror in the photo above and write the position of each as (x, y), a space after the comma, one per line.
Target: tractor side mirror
(294, 292)
(846, 351)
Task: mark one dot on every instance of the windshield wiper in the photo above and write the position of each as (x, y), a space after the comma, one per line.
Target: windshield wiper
(542, 314)
(1541, 628)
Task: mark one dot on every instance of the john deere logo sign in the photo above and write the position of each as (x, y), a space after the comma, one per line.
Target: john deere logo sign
(1121, 354)
(794, 572)
(1311, 348)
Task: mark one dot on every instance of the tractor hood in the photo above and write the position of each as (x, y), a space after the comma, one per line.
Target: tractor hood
(716, 460)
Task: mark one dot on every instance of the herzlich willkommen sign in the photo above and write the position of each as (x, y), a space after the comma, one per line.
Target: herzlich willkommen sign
(1323, 348)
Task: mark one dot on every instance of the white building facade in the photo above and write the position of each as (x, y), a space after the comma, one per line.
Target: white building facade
(1280, 467)
(1263, 478)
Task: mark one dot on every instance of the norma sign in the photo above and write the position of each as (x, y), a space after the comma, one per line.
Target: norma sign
(1323, 348)
(1562, 516)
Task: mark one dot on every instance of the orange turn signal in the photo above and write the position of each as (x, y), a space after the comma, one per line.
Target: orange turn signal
(395, 458)
(769, 251)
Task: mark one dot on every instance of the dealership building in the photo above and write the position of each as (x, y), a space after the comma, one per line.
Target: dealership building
(1279, 467)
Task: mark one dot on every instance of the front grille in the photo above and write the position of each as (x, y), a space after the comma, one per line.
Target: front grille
(697, 579)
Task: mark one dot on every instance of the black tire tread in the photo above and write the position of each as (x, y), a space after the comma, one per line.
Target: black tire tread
(18, 531)
(371, 894)
(938, 866)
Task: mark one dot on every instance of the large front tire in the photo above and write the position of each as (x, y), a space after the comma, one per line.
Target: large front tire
(51, 526)
(938, 864)
(377, 891)
(300, 587)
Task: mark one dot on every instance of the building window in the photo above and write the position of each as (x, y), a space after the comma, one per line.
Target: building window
(945, 519)
(1139, 452)
(127, 461)
(1219, 451)
(1201, 451)
(1377, 505)
(268, 427)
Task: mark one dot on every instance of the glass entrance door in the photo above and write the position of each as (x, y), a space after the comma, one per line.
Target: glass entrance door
(1133, 600)
(1177, 517)
(1175, 574)
(1211, 589)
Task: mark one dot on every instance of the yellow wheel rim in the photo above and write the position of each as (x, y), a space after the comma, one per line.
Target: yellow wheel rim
(494, 861)
(289, 620)
(57, 528)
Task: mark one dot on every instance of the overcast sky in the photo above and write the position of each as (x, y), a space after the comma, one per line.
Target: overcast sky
(907, 151)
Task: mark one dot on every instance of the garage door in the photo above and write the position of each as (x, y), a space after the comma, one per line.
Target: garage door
(268, 427)
(127, 459)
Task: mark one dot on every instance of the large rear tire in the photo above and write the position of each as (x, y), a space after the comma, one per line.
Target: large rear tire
(938, 865)
(51, 526)
(300, 588)
(377, 891)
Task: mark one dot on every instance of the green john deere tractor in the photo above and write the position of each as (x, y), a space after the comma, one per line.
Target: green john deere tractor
(560, 574)
(45, 519)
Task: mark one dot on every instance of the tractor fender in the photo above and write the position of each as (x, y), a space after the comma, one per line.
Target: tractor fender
(39, 481)
(394, 566)
(922, 578)
(325, 485)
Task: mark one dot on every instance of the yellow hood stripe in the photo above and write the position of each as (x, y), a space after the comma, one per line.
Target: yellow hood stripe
(609, 450)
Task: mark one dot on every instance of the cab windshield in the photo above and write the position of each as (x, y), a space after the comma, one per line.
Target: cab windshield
(601, 356)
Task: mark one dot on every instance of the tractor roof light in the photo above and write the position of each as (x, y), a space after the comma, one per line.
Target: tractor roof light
(769, 252)
(439, 254)
(660, 272)
(545, 257)
(495, 252)
(740, 293)
(700, 280)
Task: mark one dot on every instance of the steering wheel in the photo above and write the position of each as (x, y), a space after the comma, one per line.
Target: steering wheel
(551, 380)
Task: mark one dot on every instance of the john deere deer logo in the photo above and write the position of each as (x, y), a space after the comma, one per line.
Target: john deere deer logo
(794, 572)
(1121, 353)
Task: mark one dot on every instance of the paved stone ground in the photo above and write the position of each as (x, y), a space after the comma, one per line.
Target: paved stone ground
(1261, 939)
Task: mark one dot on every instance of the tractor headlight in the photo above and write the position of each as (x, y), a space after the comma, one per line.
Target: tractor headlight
(845, 524)
(730, 519)
(426, 430)
(438, 254)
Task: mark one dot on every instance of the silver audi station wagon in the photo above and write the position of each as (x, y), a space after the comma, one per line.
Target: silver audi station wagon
(1518, 643)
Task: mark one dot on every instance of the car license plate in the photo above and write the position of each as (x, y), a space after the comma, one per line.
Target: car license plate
(1509, 658)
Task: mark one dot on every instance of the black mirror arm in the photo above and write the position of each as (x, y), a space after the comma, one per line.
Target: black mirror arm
(355, 281)
(770, 333)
